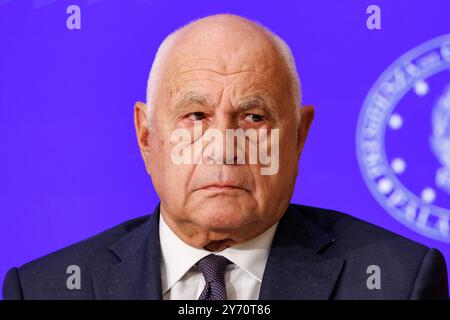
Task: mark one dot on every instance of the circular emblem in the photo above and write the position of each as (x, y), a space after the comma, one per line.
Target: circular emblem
(403, 139)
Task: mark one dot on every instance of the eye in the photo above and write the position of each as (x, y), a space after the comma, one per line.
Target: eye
(196, 116)
(254, 118)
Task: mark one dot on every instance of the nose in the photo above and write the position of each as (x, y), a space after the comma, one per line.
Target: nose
(218, 148)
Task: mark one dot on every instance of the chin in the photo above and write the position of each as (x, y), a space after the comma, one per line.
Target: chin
(219, 215)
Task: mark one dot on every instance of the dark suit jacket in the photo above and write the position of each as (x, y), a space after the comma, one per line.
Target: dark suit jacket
(315, 254)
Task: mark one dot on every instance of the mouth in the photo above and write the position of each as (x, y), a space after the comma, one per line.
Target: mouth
(222, 187)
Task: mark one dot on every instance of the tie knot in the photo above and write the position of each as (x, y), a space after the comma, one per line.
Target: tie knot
(213, 267)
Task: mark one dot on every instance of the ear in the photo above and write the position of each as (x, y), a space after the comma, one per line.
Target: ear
(142, 130)
(306, 119)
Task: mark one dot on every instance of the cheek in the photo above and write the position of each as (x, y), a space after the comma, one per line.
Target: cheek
(170, 182)
(160, 150)
(264, 186)
(271, 187)
(159, 161)
(288, 146)
(273, 192)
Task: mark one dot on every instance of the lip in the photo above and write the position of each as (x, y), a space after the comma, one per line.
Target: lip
(222, 187)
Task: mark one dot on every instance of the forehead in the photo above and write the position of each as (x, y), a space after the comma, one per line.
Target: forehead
(211, 81)
(237, 76)
(224, 52)
(220, 62)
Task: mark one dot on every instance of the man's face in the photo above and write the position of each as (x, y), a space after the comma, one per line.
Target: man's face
(242, 87)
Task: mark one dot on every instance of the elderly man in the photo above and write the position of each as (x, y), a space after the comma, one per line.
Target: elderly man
(225, 228)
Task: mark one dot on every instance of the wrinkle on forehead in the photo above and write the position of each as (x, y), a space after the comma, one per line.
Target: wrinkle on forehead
(227, 61)
(238, 84)
(224, 79)
(222, 73)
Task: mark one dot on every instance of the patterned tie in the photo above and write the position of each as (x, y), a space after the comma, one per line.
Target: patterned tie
(213, 269)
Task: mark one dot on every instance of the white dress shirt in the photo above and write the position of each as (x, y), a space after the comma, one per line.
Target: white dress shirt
(181, 280)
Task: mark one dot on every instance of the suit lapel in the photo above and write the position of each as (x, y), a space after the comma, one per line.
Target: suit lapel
(295, 268)
(137, 275)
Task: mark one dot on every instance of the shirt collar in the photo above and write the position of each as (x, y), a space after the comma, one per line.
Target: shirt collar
(177, 257)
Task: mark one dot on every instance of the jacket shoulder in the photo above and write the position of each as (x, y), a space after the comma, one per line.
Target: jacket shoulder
(90, 248)
(352, 232)
(40, 278)
(409, 270)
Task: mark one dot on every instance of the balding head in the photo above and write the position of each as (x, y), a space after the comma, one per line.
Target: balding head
(221, 37)
(222, 73)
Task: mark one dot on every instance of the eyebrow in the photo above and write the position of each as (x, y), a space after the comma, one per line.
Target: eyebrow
(257, 101)
(191, 97)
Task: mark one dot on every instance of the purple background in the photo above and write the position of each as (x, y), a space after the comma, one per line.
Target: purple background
(70, 166)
